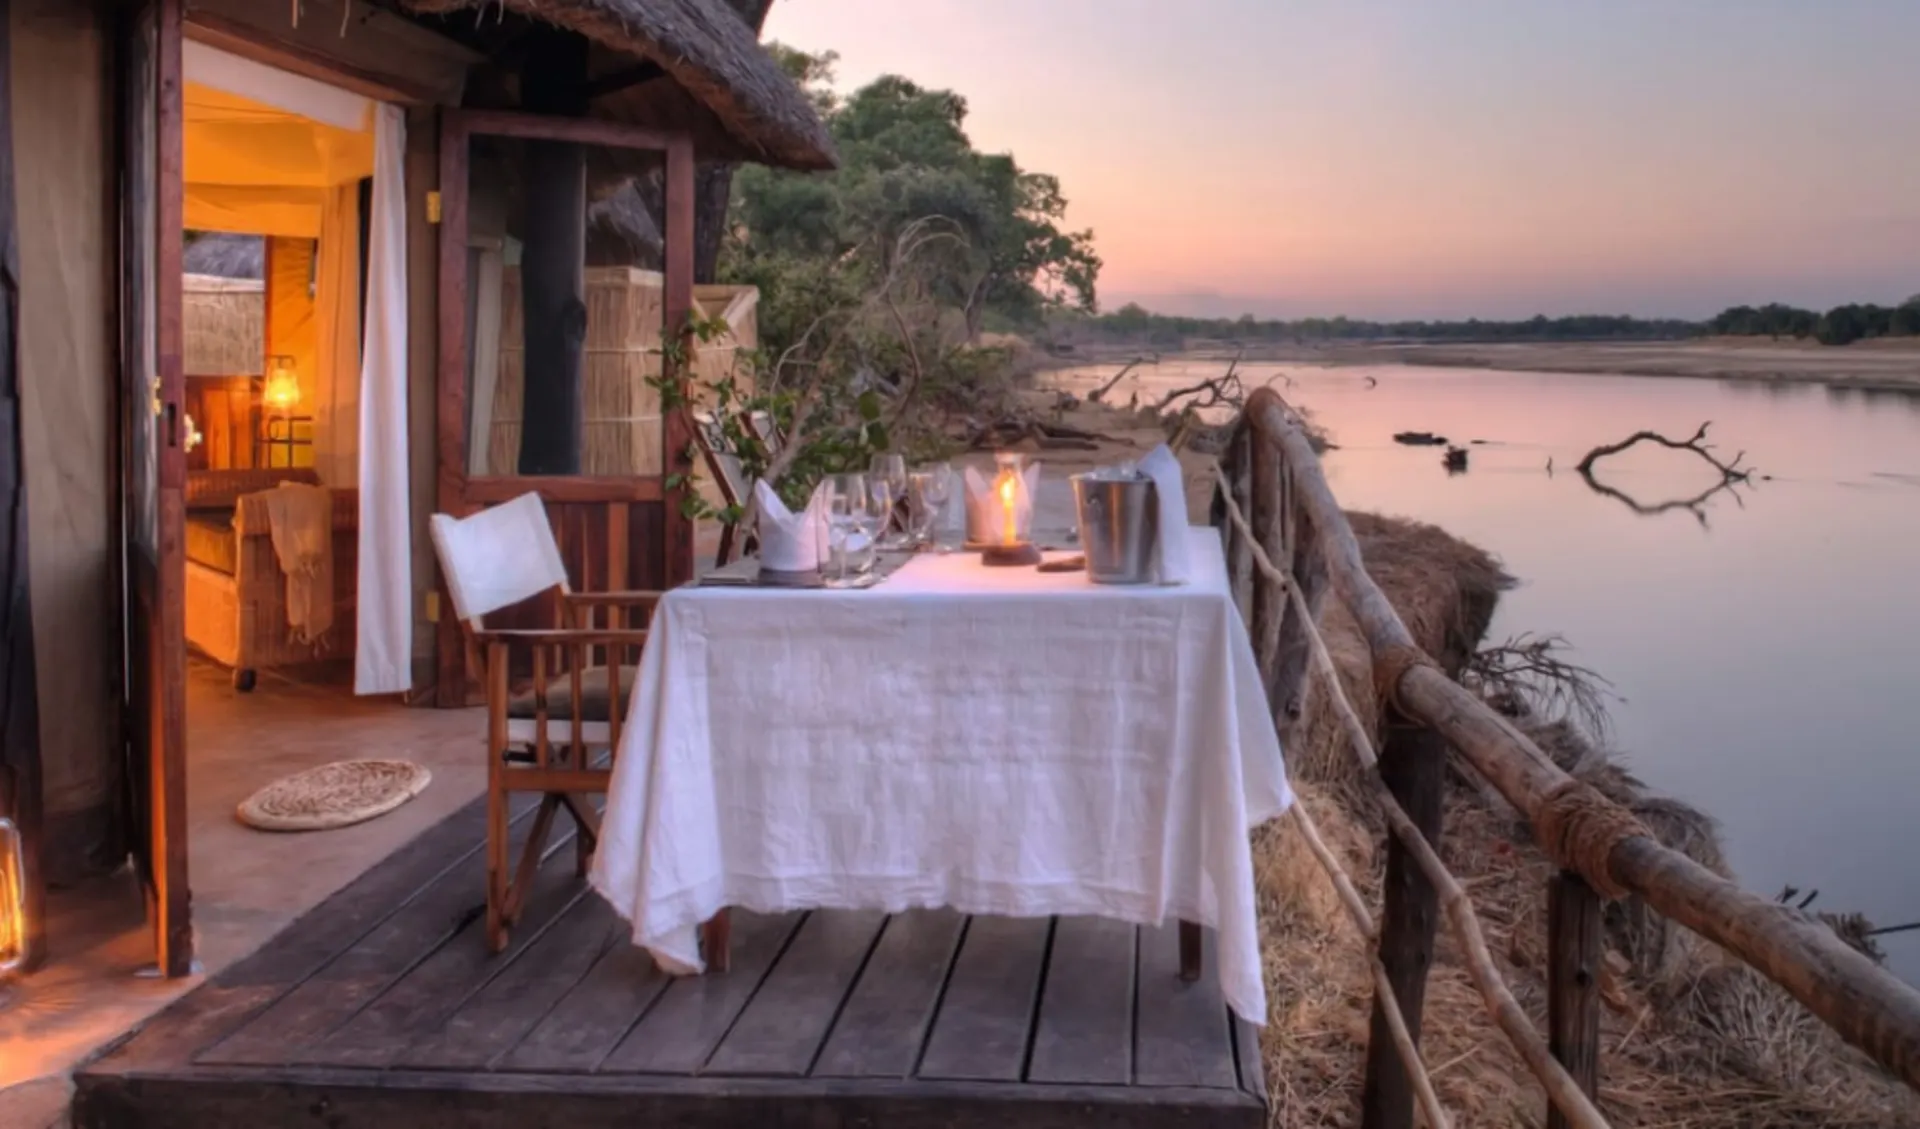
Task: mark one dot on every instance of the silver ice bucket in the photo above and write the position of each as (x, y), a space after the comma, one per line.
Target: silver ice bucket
(1119, 524)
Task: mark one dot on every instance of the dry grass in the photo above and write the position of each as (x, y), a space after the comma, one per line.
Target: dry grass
(1690, 1038)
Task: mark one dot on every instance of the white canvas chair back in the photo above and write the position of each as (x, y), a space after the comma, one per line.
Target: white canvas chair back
(722, 458)
(498, 557)
(761, 424)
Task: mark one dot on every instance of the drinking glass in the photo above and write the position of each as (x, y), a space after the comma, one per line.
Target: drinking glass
(939, 488)
(846, 515)
(891, 469)
(880, 497)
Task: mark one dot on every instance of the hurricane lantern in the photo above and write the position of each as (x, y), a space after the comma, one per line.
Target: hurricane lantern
(283, 386)
(1010, 502)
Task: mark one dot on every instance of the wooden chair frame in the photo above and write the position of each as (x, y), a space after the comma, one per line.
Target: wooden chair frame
(553, 756)
(723, 462)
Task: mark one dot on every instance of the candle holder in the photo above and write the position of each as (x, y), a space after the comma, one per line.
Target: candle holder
(1000, 513)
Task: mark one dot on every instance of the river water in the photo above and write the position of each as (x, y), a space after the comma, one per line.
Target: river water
(1765, 647)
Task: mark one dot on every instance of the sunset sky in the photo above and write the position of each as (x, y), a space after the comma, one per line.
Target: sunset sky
(1440, 158)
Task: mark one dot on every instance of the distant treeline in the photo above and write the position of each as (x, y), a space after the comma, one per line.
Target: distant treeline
(1838, 326)
(1841, 325)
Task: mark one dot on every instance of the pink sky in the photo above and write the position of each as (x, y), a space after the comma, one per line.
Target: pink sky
(1473, 157)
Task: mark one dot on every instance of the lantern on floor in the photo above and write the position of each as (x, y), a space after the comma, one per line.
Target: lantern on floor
(13, 899)
(283, 386)
(1000, 518)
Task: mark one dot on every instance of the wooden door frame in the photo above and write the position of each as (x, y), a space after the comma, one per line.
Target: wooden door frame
(456, 490)
(172, 914)
(163, 796)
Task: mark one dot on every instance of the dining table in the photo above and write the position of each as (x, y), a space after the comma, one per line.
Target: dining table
(998, 741)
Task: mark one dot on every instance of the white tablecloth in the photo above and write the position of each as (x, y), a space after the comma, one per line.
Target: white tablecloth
(1000, 741)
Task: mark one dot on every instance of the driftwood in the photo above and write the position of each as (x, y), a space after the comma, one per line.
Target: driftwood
(1729, 471)
(1100, 393)
(1862, 1002)
(1011, 429)
(1732, 474)
(1227, 389)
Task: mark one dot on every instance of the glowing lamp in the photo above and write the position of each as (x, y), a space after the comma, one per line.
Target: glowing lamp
(13, 899)
(1010, 505)
(194, 437)
(283, 386)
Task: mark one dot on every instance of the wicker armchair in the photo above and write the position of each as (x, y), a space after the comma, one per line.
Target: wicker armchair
(236, 592)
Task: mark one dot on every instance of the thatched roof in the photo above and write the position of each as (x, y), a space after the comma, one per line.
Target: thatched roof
(710, 54)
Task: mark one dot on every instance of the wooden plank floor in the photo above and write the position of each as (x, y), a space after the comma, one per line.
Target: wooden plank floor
(383, 1008)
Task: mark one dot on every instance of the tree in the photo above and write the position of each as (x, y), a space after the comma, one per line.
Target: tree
(906, 158)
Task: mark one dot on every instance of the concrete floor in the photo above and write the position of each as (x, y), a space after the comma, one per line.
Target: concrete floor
(247, 885)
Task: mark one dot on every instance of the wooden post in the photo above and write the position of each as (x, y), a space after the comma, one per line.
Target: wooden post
(1414, 765)
(1574, 953)
(677, 567)
(553, 288)
(20, 791)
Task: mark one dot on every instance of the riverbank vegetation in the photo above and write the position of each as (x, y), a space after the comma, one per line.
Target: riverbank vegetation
(1134, 326)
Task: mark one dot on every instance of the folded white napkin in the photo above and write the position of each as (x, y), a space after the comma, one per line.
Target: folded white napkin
(1171, 564)
(986, 520)
(791, 542)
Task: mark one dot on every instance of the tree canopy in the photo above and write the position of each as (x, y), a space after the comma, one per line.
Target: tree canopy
(906, 159)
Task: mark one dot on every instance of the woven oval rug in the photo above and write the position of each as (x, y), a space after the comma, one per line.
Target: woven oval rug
(334, 795)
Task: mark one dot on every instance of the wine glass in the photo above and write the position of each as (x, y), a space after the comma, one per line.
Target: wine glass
(892, 469)
(846, 515)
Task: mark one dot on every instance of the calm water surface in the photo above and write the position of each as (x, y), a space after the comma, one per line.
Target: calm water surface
(1766, 657)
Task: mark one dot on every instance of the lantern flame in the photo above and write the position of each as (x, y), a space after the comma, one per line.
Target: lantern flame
(1008, 487)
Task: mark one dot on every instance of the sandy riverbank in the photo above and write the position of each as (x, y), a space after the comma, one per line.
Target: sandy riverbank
(1891, 364)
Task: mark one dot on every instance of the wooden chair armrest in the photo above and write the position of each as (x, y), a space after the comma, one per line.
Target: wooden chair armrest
(561, 637)
(634, 599)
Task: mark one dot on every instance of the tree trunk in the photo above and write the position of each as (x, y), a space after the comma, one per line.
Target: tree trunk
(713, 187)
(552, 265)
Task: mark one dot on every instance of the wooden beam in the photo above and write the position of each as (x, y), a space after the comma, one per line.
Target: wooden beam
(491, 490)
(21, 799)
(173, 925)
(1574, 953)
(585, 131)
(450, 420)
(678, 538)
(362, 49)
(1414, 765)
(625, 79)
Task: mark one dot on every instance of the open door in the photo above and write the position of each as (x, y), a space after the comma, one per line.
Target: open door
(153, 466)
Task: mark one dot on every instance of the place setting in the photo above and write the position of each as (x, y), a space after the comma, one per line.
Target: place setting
(859, 529)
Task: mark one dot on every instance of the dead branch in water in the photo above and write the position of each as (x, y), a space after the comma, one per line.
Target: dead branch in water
(1226, 388)
(1530, 669)
(1142, 359)
(1731, 473)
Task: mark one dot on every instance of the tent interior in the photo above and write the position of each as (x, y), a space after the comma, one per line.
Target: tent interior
(277, 374)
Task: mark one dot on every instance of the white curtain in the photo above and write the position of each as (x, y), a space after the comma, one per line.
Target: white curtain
(336, 422)
(383, 662)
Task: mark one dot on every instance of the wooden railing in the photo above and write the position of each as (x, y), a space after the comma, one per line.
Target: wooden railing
(1288, 547)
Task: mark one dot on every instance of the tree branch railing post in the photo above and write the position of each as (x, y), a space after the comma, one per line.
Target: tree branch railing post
(1413, 761)
(1575, 949)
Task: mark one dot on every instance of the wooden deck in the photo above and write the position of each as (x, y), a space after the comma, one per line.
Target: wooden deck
(383, 1008)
